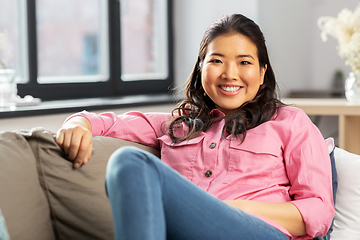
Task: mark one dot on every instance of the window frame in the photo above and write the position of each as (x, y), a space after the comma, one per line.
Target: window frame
(114, 87)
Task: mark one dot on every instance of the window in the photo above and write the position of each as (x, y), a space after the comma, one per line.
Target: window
(72, 47)
(89, 48)
(9, 34)
(143, 49)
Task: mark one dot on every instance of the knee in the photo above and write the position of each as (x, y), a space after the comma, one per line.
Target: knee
(125, 160)
(121, 158)
(121, 161)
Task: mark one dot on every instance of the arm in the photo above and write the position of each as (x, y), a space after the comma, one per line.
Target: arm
(75, 136)
(308, 169)
(76, 139)
(284, 214)
(307, 166)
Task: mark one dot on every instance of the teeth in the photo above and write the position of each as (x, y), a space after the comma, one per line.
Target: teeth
(230, 89)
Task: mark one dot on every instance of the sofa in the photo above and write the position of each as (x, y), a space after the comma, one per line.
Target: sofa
(42, 197)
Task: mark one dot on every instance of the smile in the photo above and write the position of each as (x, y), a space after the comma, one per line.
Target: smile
(230, 89)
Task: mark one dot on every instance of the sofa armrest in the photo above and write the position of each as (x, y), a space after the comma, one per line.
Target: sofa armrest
(22, 201)
(79, 206)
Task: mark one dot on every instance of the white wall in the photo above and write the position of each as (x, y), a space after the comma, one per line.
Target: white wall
(285, 26)
(324, 58)
(299, 57)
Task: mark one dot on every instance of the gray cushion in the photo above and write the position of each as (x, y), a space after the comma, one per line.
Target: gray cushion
(22, 200)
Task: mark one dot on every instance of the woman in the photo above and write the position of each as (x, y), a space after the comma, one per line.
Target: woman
(235, 162)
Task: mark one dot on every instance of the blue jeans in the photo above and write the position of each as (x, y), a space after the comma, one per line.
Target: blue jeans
(151, 201)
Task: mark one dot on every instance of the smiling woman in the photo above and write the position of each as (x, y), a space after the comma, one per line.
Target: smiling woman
(231, 151)
(232, 54)
(231, 72)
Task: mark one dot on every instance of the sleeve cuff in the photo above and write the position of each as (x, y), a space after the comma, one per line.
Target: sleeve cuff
(319, 217)
(92, 118)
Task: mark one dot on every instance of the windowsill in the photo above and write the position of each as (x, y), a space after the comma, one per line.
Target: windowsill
(74, 105)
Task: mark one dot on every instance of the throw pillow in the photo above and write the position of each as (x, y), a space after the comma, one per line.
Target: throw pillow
(22, 201)
(347, 216)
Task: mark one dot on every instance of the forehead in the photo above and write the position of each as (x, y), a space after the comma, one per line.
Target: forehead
(232, 43)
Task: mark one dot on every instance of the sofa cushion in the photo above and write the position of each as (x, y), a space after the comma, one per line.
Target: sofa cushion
(22, 201)
(347, 216)
(79, 206)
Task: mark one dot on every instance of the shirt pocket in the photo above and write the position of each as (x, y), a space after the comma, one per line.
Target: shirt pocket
(181, 156)
(254, 161)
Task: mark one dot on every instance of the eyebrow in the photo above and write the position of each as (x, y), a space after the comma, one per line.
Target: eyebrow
(238, 56)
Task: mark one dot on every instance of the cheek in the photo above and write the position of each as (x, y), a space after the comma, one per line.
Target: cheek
(253, 78)
(205, 78)
(208, 75)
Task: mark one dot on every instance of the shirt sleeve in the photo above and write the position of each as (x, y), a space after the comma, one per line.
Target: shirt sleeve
(132, 126)
(309, 170)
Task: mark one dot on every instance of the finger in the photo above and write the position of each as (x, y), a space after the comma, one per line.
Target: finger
(67, 140)
(75, 143)
(82, 160)
(88, 154)
(60, 137)
(77, 164)
(85, 149)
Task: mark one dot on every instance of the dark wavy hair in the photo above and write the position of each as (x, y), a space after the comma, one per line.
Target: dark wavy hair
(195, 110)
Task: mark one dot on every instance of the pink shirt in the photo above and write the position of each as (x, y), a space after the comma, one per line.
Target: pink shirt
(282, 160)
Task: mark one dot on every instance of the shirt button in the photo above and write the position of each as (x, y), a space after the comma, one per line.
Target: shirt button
(208, 173)
(212, 145)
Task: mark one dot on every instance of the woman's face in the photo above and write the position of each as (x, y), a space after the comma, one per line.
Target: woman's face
(231, 74)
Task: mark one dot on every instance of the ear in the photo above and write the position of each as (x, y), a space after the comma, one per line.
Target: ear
(262, 74)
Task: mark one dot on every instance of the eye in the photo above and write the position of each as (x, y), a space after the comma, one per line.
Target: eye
(244, 62)
(215, 61)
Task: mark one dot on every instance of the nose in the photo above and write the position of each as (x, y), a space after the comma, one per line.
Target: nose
(231, 71)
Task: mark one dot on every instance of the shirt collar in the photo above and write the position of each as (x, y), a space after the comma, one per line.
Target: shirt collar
(217, 113)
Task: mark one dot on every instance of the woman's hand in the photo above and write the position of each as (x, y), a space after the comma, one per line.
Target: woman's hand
(284, 214)
(76, 139)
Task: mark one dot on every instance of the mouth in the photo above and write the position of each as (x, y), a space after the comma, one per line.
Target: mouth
(230, 89)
